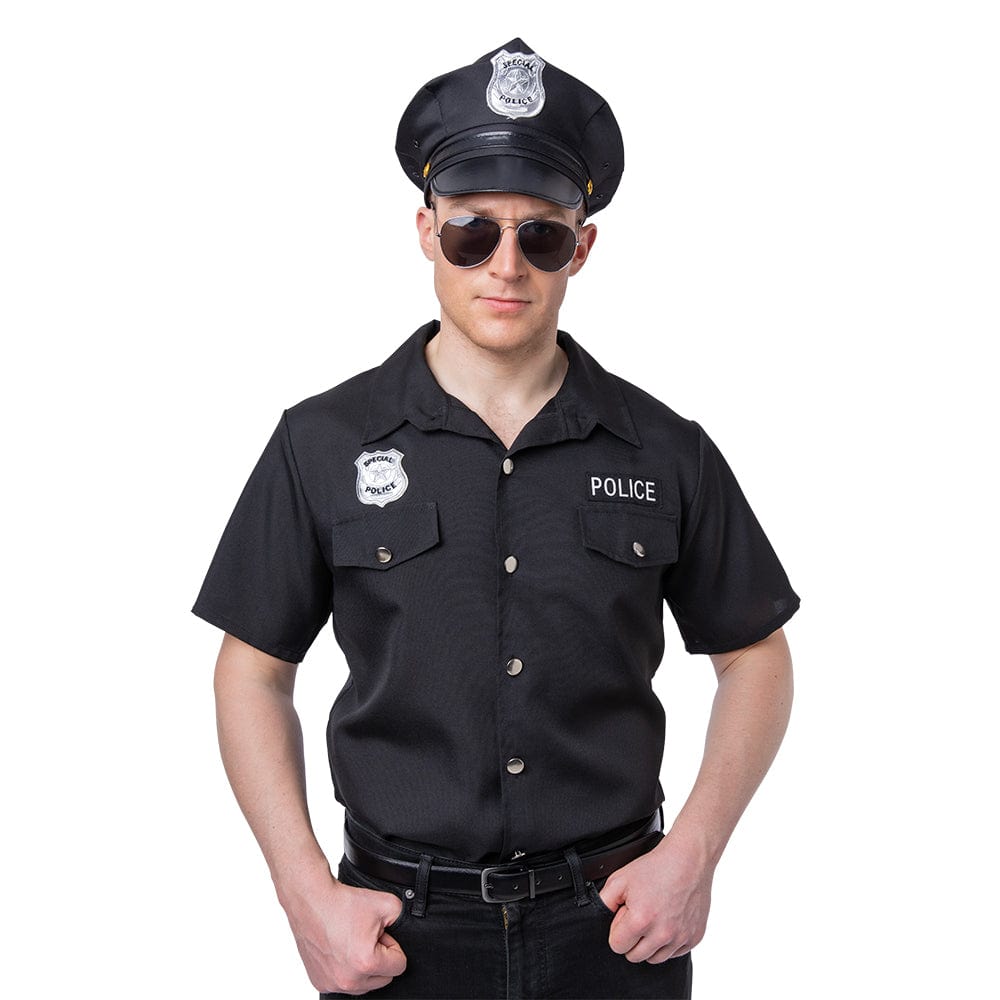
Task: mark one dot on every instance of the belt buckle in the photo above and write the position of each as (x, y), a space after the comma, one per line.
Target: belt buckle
(487, 889)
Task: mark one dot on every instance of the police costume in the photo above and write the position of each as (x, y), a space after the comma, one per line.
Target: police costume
(500, 609)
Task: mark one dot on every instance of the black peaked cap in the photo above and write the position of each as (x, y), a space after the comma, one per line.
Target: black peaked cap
(512, 122)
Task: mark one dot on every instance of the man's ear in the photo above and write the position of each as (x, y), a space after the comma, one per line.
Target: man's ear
(426, 231)
(588, 235)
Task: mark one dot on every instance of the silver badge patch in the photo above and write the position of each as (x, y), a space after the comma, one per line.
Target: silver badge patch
(515, 90)
(381, 478)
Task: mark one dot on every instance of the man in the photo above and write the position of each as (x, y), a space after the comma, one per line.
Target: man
(494, 522)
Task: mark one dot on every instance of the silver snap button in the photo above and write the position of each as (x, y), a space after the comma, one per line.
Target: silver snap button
(510, 564)
(639, 549)
(508, 466)
(409, 894)
(382, 554)
(514, 666)
(515, 765)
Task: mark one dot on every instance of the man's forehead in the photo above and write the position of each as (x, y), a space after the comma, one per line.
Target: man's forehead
(500, 204)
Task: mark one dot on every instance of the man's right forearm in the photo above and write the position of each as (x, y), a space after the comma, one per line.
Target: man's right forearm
(261, 742)
(339, 930)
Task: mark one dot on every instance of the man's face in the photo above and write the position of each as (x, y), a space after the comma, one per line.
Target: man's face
(503, 305)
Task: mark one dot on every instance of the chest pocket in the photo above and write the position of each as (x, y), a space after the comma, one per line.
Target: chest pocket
(637, 538)
(382, 539)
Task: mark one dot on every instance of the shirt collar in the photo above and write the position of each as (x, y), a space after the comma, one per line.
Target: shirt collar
(404, 389)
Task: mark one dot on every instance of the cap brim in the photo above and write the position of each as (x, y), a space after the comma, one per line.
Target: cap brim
(508, 174)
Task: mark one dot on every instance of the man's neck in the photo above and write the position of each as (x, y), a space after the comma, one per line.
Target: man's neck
(506, 388)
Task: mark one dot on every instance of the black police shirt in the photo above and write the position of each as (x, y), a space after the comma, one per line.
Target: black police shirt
(500, 610)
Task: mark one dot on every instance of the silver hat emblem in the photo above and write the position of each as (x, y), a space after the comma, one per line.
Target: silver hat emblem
(515, 90)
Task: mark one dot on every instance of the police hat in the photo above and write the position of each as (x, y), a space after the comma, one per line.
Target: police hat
(512, 122)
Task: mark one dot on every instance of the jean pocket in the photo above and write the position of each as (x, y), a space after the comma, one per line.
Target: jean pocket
(594, 890)
(358, 879)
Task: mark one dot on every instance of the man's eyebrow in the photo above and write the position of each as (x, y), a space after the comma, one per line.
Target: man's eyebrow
(545, 213)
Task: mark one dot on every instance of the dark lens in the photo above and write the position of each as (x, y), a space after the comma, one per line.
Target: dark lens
(469, 240)
(549, 246)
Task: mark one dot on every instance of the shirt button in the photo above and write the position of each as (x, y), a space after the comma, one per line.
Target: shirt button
(639, 549)
(515, 765)
(510, 564)
(514, 666)
(508, 466)
(382, 554)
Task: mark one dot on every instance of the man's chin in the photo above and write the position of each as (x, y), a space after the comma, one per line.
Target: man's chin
(509, 339)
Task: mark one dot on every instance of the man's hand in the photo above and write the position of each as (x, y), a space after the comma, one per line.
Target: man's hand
(341, 935)
(660, 902)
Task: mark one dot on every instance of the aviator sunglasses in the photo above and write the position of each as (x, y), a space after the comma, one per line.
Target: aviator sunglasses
(469, 240)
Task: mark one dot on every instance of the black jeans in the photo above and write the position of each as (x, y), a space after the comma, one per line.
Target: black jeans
(553, 946)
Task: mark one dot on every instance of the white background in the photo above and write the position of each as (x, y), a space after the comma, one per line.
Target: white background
(203, 221)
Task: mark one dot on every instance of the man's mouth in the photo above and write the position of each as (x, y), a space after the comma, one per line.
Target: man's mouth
(504, 304)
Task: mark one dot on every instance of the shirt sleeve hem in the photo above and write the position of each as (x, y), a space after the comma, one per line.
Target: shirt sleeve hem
(756, 636)
(248, 635)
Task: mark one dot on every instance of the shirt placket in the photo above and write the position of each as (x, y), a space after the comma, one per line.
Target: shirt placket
(517, 560)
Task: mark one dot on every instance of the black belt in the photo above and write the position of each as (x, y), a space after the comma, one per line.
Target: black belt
(505, 883)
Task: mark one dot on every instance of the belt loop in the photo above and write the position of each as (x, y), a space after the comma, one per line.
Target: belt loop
(576, 870)
(419, 907)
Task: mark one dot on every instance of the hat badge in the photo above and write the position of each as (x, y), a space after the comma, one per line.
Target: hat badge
(515, 90)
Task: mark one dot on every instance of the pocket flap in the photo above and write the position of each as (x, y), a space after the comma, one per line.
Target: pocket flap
(639, 538)
(383, 538)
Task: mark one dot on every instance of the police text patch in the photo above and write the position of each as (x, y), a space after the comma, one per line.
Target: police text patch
(627, 489)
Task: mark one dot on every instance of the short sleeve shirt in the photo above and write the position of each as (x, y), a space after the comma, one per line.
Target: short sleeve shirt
(500, 609)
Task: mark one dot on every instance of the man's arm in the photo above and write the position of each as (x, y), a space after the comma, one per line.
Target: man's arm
(662, 898)
(339, 929)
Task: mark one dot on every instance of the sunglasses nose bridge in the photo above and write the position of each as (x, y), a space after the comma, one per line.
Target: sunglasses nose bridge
(508, 256)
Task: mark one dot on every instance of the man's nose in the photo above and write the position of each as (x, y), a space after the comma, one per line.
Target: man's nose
(507, 261)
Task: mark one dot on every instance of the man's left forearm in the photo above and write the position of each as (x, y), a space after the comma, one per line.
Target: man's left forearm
(748, 721)
(661, 900)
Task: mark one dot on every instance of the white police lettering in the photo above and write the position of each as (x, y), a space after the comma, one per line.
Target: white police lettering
(381, 478)
(515, 90)
(623, 488)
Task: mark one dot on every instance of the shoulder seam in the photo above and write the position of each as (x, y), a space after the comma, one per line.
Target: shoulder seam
(298, 476)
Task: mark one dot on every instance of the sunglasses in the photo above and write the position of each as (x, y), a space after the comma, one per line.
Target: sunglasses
(470, 240)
